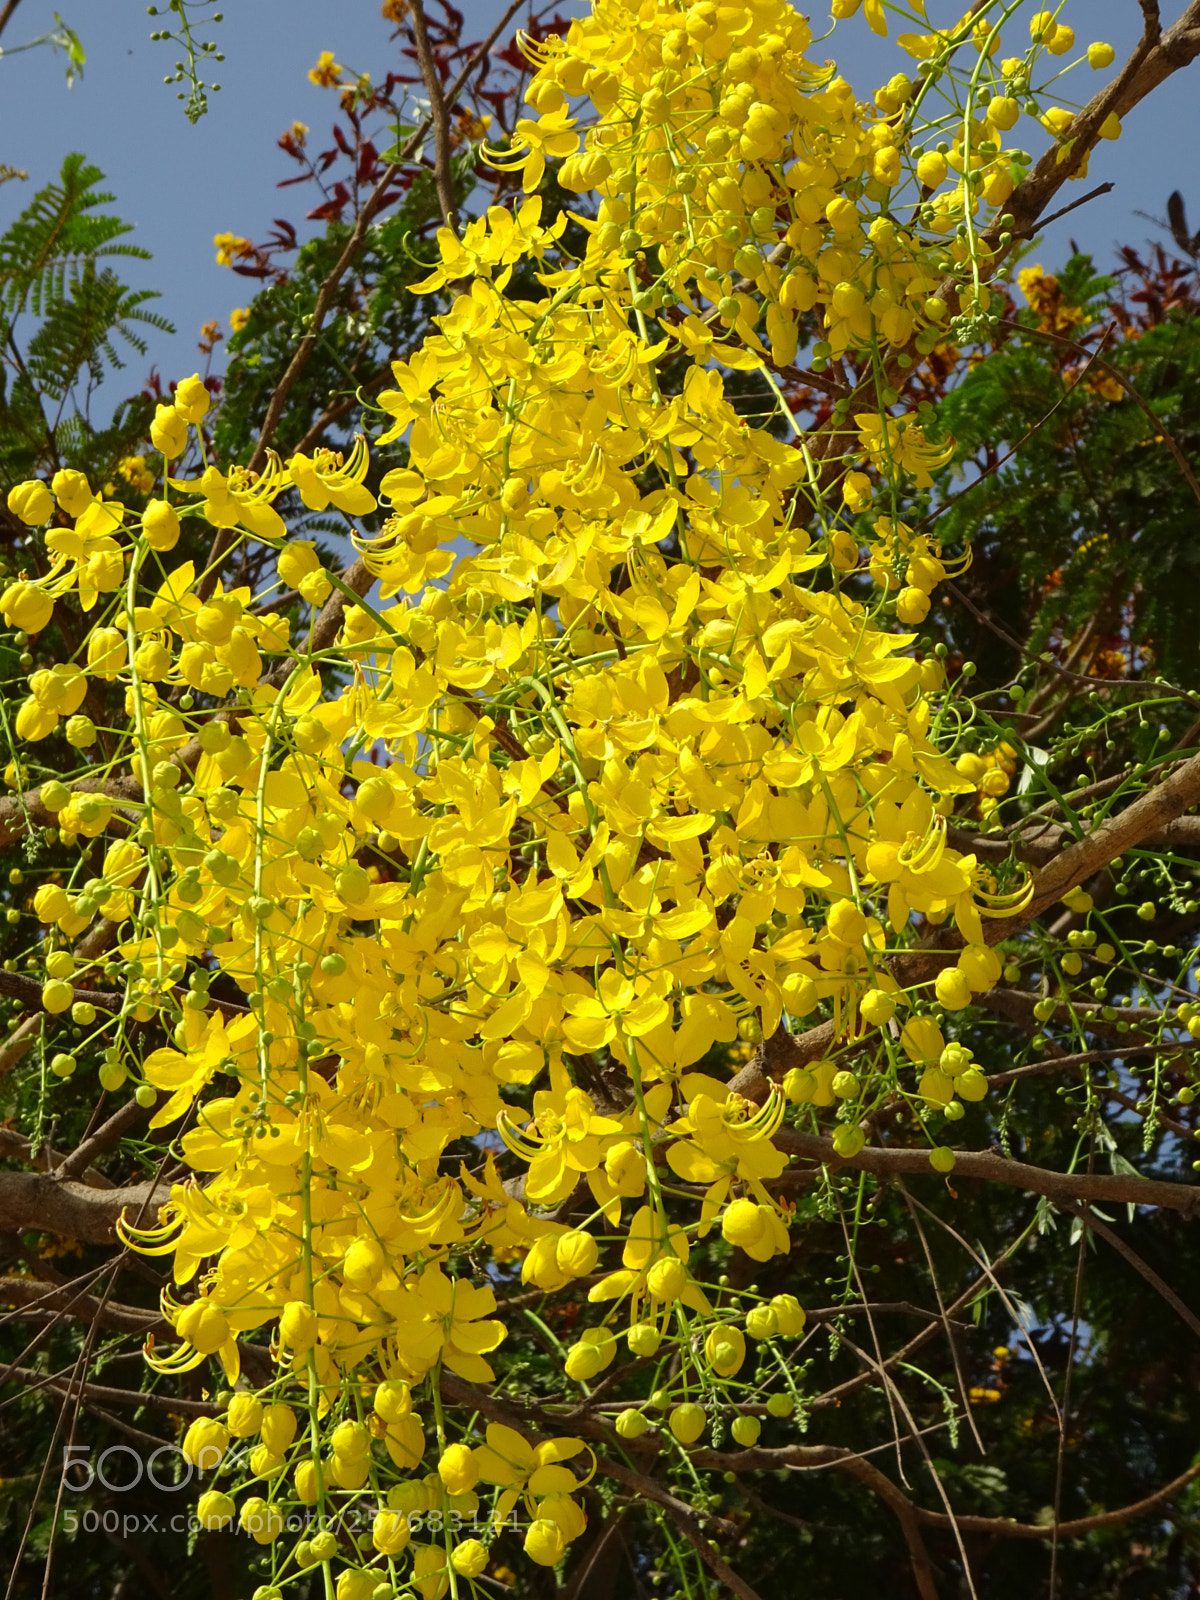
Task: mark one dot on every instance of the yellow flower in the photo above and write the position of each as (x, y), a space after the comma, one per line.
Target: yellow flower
(241, 499)
(565, 1139)
(893, 442)
(327, 73)
(231, 247)
(323, 481)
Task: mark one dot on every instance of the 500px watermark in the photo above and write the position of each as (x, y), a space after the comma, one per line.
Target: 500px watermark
(120, 1468)
(128, 1523)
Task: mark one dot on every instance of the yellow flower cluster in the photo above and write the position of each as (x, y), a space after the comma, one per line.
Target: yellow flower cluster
(648, 770)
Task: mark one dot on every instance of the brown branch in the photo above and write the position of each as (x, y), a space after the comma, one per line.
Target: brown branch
(67, 1385)
(1084, 199)
(809, 1458)
(906, 1515)
(104, 1138)
(1081, 1058)
(20, 1042)
(437, 111)
(1059, 1187)
(1000, 1528)
(18, 813)
(1155, 57)
(6, 14)
(1148, 814)
(41, 1203)
(32, 1295)
(29, 992)
(16, 1147)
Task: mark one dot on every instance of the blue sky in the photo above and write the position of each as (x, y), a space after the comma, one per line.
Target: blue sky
(181, 184)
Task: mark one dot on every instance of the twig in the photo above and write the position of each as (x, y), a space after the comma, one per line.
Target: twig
(1043, 222)
(32, 1295)
(1090, 1220)
(437, 110)
(1118, 1189)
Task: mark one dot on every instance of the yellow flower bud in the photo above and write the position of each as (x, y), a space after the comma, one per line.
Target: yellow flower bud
(204, 1326)
(356, 1583)
(631, 1424)
(625, 1168)
(107, 652)
(725, 1350)
(214, 1511)
(743, 1224)
(877, 1008)
(278, 1428)
(953, 990)
(205, 1442)
(298, 1327)
(363, 1263)
(468, 1559)
(912, 606)
(746, 1430)
(762, 1322)
(544, 1542)
(577, 1253)
(192, 398)
(168, 432)
(687, 1422)
(643, 1339)
(31, 503)
(667, 1279)
(25, 606)
(351, 1440)
(457, 1468)
(393, 1400)
(590, 1355)
(263, 1522)
(264, 1463)
(390, 1532)
(160, 524)
(71, 491)
(790, 1315)
(1100, 55)
(57, 996)
(848, 1141)
(296, 560)
(244, 1416)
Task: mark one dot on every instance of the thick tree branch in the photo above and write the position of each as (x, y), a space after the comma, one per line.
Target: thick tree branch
(45, 1204)
(18, 814)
